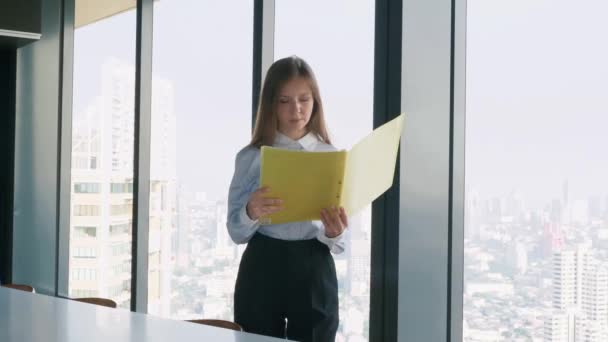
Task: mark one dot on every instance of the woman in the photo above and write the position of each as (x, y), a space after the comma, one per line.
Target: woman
(286, 285)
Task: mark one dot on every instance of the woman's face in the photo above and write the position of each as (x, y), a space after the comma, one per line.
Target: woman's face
(294, 107)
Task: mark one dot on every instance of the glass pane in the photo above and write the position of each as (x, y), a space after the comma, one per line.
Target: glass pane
(345, 73)
(102, 152)
(201, 117)
(536, 233)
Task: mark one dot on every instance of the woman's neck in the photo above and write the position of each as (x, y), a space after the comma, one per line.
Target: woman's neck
(294, 135)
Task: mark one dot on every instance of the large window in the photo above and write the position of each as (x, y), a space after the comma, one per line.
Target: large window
(201, 117)
(102, 151)
(337, 39)
(536, 226)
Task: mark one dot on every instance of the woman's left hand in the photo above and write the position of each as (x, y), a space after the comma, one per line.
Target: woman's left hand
(334, 220)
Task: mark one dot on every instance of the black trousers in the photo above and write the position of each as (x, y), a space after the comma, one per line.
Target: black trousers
(287, 289)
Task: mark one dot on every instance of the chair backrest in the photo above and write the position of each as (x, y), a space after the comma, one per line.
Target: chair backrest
(97, 301)
(21, 287)
(218, 323)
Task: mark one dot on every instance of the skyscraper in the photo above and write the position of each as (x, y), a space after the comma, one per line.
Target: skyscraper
(102, 191)
(580, 298)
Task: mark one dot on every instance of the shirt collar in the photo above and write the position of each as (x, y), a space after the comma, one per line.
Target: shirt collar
(307, 142)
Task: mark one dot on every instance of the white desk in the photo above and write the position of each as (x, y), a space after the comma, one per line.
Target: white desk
(27, 317)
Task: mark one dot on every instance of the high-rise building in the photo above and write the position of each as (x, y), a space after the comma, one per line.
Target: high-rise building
(594, 301)
(567, 278)
(223, 243)
(580, 298)
(559, 327)
(102, 191)
(163, 196)
(473, 215)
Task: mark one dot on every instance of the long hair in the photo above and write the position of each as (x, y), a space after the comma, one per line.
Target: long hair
(279, 73)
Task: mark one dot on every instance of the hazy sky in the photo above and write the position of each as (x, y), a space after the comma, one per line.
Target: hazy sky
(537, 84)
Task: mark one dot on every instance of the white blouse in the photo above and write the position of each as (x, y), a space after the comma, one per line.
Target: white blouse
(246, 180)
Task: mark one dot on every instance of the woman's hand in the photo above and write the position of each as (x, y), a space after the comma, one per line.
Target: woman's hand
(334, 220)
(259, 206)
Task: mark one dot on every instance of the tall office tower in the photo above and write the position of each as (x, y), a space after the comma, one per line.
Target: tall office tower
(595, 295)
(102, 190)
(223, 243)
(589, 331)
(163, 196)
(559, 327)
(572, 326)
(473, 215)
(580, 293)
(181, 237)
(568, 266)
(102, 194)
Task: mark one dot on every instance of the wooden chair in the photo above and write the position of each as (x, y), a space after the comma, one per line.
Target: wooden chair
(21, 287)
(97, 301)
(218, 323)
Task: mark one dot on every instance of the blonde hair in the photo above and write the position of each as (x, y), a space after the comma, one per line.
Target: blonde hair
(279, 73)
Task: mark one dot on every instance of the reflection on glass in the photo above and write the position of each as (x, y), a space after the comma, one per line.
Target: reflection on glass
(102, 154)
(201, 117)
(536, 217)
(311, 31)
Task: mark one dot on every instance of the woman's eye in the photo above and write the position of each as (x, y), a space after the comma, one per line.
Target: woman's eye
(305, 99)
(283, 100)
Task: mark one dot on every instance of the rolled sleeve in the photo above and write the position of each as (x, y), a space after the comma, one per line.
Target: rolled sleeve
(335, 244)
(245, 219)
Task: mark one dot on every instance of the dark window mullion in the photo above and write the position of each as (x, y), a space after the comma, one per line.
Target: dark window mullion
(65, 149)
(141, 186)
(385, 210)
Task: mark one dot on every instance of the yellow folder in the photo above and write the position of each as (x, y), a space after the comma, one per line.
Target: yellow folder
(310, 181)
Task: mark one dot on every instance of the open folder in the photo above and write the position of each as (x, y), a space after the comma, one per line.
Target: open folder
(310, 181)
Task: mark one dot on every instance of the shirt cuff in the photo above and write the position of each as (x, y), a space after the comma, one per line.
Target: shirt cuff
(245, 219)
(332, 243)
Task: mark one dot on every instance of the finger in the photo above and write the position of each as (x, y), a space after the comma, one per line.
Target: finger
(333, 217)
(329, 231)
(271, 201)
(324, 219)
(272, 209)
(337, 215)
(343, 217)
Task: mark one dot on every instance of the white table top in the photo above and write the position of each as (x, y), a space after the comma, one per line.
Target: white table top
(27, 317)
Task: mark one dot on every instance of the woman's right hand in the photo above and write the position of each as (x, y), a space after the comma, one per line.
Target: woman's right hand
(259, 206)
